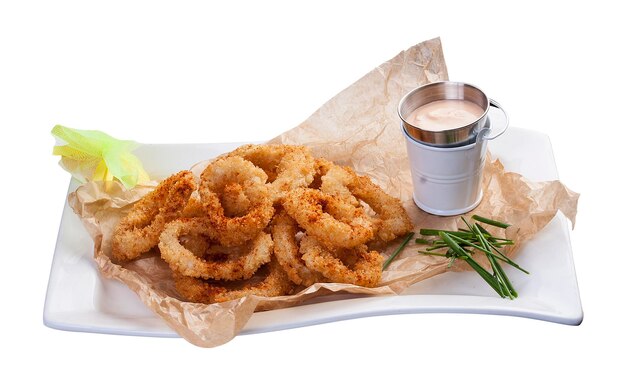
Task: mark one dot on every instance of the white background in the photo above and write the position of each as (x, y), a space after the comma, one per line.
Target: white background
(183, 71)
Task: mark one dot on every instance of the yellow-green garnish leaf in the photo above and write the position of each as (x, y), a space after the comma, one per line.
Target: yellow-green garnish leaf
(96, 156)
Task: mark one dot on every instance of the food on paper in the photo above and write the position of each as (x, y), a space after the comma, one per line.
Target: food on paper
(329, 218)
(357, 265)
(322, 166)
(274, 282)
(139, 230)
(391, 220)
(263, 220)
(234, 200)
(232, 231)
(285, 231)
(207, 261)
(287, 166)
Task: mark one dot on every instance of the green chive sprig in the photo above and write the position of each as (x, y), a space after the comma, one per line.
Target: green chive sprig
(491, 221)
(475, 239)
(398, 250)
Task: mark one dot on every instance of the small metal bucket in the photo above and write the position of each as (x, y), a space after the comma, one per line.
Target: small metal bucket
(447, 166)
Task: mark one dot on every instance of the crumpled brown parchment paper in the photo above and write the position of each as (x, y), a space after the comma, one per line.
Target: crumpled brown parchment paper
(358, 127)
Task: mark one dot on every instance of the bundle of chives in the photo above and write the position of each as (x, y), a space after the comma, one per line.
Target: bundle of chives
(464, 243)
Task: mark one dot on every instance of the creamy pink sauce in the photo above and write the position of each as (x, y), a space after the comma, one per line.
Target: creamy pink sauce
(442, 115)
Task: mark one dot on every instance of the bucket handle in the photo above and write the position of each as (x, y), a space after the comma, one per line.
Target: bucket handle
(497, 125)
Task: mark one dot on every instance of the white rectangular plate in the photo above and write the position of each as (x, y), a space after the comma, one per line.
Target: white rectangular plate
(79, 299)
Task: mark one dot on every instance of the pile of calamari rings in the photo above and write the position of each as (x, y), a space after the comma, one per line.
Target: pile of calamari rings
(265, 220)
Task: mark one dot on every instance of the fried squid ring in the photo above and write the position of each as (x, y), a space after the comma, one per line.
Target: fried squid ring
(274, 283)
(234, 200)
(321, 168)
(338, 181)
(329, 218)
(139, 230)
(286, 250)
(356, 266)
(194, 207)
(391, 218)
(223, 173)
(236, 265)
(287, 166)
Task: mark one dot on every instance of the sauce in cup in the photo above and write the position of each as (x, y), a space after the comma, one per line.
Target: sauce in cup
(442, 115)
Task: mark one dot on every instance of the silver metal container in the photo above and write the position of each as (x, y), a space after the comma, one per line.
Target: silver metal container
(445, 91)
(447, 166)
